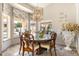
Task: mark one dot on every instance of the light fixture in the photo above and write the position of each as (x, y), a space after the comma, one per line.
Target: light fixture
(38, 14)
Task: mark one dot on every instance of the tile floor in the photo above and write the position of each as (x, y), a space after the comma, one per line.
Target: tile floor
(13, 51)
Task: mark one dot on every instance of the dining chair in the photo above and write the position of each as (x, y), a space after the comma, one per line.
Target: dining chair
(27, 45)
(53, 43)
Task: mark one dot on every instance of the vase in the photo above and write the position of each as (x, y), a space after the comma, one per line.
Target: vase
(68, 38)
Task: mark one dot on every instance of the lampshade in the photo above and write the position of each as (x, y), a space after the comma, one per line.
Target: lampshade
(38, 14)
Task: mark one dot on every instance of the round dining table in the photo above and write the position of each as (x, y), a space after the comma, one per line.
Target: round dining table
(40, 41)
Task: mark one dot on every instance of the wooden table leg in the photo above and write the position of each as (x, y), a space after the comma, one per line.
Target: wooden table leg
(40, 50)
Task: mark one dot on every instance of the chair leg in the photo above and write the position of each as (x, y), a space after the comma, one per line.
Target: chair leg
(23, 53)
(32, 48)
(32, 53)
(55, 51)
(50, 50)
(28, 52)
(19, 49)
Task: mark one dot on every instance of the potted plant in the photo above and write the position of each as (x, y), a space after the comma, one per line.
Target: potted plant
(18, 26)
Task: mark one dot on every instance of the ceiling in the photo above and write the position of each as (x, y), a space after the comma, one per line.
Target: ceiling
(18, 6)
(24, 8)
(39, 4)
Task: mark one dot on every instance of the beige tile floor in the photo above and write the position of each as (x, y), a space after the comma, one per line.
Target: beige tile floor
(13, 51)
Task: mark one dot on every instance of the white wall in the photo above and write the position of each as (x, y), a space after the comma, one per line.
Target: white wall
(52, 11)
(77, 12)
(57, 13)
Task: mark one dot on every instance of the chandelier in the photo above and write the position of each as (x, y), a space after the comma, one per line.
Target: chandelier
(38, 13)
(37, 16)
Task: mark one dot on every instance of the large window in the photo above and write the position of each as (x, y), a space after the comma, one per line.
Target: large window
(5, 27)
(17, 28)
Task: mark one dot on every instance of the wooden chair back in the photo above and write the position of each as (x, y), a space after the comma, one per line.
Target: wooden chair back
(53, 36)
(26, 43)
